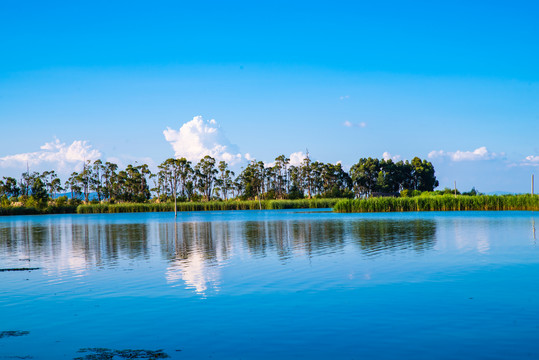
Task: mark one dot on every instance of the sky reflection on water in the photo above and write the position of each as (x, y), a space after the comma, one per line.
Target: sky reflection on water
(358, 285)
(194, 251)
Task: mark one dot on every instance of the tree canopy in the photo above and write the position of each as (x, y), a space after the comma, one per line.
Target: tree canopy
(211, 180)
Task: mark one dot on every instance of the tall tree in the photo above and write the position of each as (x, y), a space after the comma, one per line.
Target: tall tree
(206, 173)
(10, 188)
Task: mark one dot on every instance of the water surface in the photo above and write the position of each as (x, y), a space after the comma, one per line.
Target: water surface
(272, 284)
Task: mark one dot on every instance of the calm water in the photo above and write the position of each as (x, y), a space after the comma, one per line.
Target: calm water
(272, 284)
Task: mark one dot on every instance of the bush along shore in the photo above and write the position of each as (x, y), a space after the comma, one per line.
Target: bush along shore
(439, 203)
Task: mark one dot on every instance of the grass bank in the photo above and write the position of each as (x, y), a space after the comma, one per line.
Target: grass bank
(207, 206)
(439, 203)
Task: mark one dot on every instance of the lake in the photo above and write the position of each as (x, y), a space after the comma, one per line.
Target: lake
(287, 284)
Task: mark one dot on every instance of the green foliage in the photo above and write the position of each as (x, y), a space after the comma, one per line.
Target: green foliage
(439, 203)
(61, 201)
(4, 201)
(370, 176)
(207, 206)
(32, 210)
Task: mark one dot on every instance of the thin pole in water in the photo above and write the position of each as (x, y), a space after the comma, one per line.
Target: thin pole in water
(455, 189)
(175, 204)
(259, 202)
(532, 184)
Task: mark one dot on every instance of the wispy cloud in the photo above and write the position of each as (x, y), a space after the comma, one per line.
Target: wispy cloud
(344, 97)
(478, 154)
(532, 160)
(56, 153)
(198, 138)
(351, 124)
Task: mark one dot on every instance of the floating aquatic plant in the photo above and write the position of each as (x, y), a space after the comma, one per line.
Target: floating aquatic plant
(110, 354)
(12, 333)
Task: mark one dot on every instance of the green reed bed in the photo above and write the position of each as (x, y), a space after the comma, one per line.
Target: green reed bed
(439, 203)
(207, 206)
(23, 210)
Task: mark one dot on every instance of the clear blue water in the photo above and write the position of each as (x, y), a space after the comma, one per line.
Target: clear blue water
(273, 284)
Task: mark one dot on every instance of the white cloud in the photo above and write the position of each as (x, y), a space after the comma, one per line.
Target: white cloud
(54, 152)
(480, 153)
(344, 97)
(532, 160)
(297, 158)
(198, 138)
(386, 155)
(351, 124)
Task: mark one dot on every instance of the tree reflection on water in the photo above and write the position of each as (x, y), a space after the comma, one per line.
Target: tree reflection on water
(195, 251)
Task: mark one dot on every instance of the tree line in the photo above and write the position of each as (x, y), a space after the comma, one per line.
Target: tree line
(211, 180)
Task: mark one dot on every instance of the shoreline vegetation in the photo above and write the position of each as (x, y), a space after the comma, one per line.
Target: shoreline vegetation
(371, 185)
(107, 208)
(208, 206)
(439, 203)
(425, 202)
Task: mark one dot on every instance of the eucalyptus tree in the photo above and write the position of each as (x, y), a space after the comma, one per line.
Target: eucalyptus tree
(26, 182)
(185, 174)
(317, 169)
(206, 174)
(157, 185)
(280, 173)
(110, 179)
(52, 183)
(365, 176)
(384, 176)
(251, 180)
(296, 190)
(160, 180)
(335, 181)
(133, 183)
(9, 187)
(226, 179)
(423, 175)
(267, 176)
(73, 184)
(39, 190)
(306, 175)
(170, 173)
(96, 179)
(143, 187)
(84, 179)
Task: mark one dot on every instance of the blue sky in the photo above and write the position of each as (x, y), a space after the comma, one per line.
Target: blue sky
(456, 83)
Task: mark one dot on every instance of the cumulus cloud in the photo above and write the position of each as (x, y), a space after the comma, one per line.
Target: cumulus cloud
(387, 156)
(351, 124)
(478, 154)
(54, 152)
(297, 158)
(198, 138)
